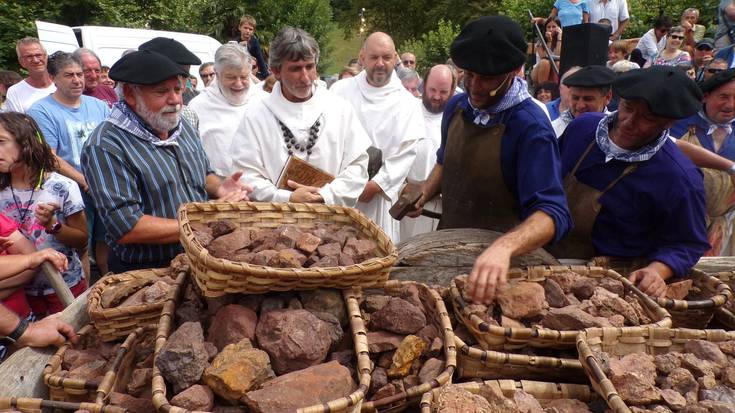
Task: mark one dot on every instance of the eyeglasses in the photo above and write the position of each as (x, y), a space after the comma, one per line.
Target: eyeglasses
(206, 75)
(675, 37)
(713, 71)
(38, 56)
(408, 62)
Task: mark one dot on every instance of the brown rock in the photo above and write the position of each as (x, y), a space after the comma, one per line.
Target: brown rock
(431, 369)
(678, 290)
(498, 402)
(374, 302)
(507, 322)
(436, 348)
(328, 261)
(380, 341)
(571, 318)
(263, 240)
(93, 369)
(74, 358)
(608, 304)
(522, 300)
(132, 404)
(159, 291)
(727, 347)
(388, 390)
(584, 287)
(554, 294)
(272, 302)
(308, 242)
(666, 363)
(614, 286)
(231, 324)
(643, 316)
(634, 377)
(408, 351)
(398, 316)
(616, 320)
(204, 238)
(288, 258)
(453, 399)
(222, 227)
(295, 339)
(183, 358)
(378, 379)
(289, 235)
(136, 298)
(699, 367)
(716, 407)
(567, 406)
(707, 382)
(681, 380)
(360, 249)
(228, 409)
(313, 385)
(329, 250)
(264, 257)
(195, 398)
(140, 381)
(335, 329)
(325, 300)
(294, 304)
(527, 403)
(728, 376)
(673, 399)
(706, 350)
(225, 245)
(719, 393)
(212, 350)
(238, 369)
(565, 280)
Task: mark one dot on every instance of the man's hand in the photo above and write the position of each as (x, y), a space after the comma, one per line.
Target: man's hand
(304, 193)
(649, 281)
(371, 189)
(49, 331)
(232, 190)
(489, 274)
(56, 258)
(46, 214)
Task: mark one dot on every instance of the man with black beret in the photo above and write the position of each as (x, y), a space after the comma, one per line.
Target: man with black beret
(142, 163)
(498, 165)
(589, 91)
(179, 54)
(633, 194)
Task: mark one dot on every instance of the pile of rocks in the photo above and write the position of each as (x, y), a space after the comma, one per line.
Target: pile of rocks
(271, 353)
(138, 291)
(563, 301)
(699, 379)
(455, 399)
(406, 348)
(287, 246)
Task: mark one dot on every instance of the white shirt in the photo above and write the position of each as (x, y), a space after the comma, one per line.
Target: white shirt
(649, 47)
(259, 149)
(614, 10)
(21, 96)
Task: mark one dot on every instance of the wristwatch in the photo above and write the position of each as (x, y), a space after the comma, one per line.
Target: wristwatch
(15, 335)
(54, 228)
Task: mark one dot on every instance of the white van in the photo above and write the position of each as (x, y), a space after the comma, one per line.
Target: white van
(110, 42)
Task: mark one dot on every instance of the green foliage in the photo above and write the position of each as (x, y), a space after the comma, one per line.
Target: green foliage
(433, 47)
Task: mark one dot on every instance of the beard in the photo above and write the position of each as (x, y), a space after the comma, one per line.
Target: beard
(431, 106)
(233, 98)
(161, 121)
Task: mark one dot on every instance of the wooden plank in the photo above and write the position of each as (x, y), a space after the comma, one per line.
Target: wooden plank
(716, 264)
(21, 372)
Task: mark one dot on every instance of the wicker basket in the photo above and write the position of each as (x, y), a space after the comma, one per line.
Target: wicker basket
(707, 296)
(118, 322)
(77, 390)
(620, 342)
(537, 389)
(723, 315)
(348, 404)
(217, 276)
(504, 339)
(29, 405)
(437, 315)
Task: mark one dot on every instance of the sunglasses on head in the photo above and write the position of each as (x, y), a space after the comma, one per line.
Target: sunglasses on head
(674, 36)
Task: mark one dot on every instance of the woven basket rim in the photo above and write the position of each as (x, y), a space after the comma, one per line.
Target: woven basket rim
(724, 293)
(23, 403)
(94, 305)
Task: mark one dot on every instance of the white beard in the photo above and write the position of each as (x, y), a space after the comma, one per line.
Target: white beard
(157, 120)
(233, 98)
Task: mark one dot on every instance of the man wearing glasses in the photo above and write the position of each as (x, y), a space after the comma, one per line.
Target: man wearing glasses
(206, 72)
(32, 57)
(408, 60)
(714, 67)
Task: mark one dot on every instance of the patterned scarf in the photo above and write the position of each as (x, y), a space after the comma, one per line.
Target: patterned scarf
(517, 93)
(606, 145)
(714, 126)
(124, 118)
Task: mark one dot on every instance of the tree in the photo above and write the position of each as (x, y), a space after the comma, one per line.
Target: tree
(433, 47)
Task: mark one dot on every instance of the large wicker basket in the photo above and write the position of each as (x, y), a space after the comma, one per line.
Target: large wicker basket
(708, 294)
(437, 315)
(31, 405)
(622, 341)
(723, 315)
(537, 389)
(217, 276)
(77, 390)
(504, 339)
(118, 322)
(348, 404)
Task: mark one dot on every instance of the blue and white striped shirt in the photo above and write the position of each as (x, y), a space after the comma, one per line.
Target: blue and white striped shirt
(129, 176)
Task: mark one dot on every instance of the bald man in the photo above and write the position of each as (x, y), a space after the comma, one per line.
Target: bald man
(439, 84)
(408, 60)
(392, 119)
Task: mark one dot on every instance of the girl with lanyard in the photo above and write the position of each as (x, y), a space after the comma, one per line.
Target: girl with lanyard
(47, 206)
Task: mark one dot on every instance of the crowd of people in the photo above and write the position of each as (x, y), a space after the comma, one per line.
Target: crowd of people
(600, 160)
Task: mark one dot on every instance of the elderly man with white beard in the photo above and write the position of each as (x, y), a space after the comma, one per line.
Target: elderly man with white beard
(143, 162)
(222, 105)
(301, 119)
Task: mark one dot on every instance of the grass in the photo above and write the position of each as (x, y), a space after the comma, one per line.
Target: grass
(342, 50)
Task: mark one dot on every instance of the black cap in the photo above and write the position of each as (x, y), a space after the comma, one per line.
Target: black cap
(669, 92)
(717, 80)
(171, 49)
(705, 43)
(489, 46)
(145, 68)
(591, 76)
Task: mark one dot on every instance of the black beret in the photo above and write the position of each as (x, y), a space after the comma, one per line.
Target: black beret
(669, 92)
(591, 76)
(171, 49)
(145, 68)
(717, 80)
(489, 46)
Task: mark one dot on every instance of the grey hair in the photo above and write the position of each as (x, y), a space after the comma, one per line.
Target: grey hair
(60, 60)
(623, 66)
(676, 29)
(79, 53)
(205, 65)
(26, 41)
(292, 44)
(691, 10)
(405, 74)
(231, 55)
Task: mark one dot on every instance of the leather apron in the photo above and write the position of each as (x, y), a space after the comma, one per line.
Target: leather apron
(474, 194)
(584, 207)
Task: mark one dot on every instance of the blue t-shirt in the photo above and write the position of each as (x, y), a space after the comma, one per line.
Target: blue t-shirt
(67, 129)
(570, 13)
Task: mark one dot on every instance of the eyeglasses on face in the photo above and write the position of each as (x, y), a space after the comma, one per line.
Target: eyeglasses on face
(676, 37)
(713, 71)
(206, 75)
(38, 56)
(408, 62)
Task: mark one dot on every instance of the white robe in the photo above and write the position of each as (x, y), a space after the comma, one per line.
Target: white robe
(259, 149)
(218, 120)
(394, 123)
(426, 149)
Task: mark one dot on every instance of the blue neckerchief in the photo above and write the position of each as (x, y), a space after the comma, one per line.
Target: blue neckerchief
(517, 93)
(124, 118)
(642, 154)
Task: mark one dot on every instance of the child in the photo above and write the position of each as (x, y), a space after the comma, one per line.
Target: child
(247, 38)
(47, 206)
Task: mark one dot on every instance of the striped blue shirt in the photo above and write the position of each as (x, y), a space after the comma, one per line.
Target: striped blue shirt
(129, 176)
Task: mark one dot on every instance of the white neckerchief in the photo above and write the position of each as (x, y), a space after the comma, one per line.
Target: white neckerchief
(376, 94)
(297, 116)
(714, 126)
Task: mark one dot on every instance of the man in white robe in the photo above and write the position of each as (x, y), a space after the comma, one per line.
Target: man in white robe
(222, 105)
(303, 119)
(439, 86)
(389, 114)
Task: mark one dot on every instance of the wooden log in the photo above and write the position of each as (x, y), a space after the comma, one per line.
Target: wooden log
(716, 264)
(21, 372)
(56, 280)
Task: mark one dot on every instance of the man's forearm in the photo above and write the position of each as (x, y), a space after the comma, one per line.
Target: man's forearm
(704, 158)
(535, 232)
(152, 230)
(70, 172)
(433, 184)
(8, 321)
(621, 28)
